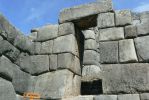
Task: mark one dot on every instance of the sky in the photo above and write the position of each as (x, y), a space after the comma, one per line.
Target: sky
(28, 14)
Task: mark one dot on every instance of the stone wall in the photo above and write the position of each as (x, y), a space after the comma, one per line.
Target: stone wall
(94, 53)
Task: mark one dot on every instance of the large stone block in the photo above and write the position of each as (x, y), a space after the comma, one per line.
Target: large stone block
(80, 98)
(111, 34)
(105, 20)
(130, 31)
(89, 34)
(129, 97)
(105, 97)
(90, 57)
(46, 47)
(144, 96)
(125, 78)
(6, 90)
(108, 52)
(123, 17)
(90, 44)
(127, 52)
(85, 10)
(65, 44)
(69, 61)
(47, 32)
(34, 64)
(142, 48)
(58, 84)
(53, 62)
(143, 28)
(66, 28)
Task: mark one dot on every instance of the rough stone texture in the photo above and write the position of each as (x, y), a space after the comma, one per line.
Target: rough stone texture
(144, 96)
(37, 48)
(106, 97)
(69, 61)
(123, 17)
(6, 90)
(130, 31)
(34, 64)
(127, 51)
(125, 78)
(85, 10)
(90, 57)
(18, 97)
(129, 97)
(144, 17)
(142, 48)
(46, 47)
(108, 52)
(80, 98)
(105, 20)
(143, 28)
(53, 62)
(111, 34)
(89, 34)
(47, 32)
(58, 84)
(90, 44)
(65, 44)
(91, 73)
(33, 35)
(66, 28)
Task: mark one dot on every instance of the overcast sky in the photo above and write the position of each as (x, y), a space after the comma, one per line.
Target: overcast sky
(28, 14)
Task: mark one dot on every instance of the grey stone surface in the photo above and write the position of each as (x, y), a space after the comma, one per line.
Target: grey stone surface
(6, 90)
(46, 47)
(130, 31)
(91, 73)
(125, 78)
(33, 35)
(143, 28)
(123, 17)
(127, 52)
(66, 43)
(90, 57)
(111, 34)
(90, 44)
(89, 34)
(58, 84)
(34, 64)
(108, 52)
(144, 96)
(105, 20)
(37, 48)
(85, 10)
(142, 48)
(18, 97)
(47, 32)
(144, 17)
(129, 97)
(69, 61)
(53, 62)
(87, 97)
(66, 28)
(105, 97)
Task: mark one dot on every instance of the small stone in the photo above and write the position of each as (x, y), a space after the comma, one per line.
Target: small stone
(90, 44)
(105, 97)
(129, 97)
(89, 34)
(130, 31)
(143, 29)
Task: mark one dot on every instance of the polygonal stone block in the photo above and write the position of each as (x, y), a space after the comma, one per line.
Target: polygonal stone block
(90, 44)
(127, 51)
(143, 28)
(53, 62)
(108, 52)
(129, 97)
(111, 34)
(89, 34)
(144, 17)
(123, 17)
(130, 31)
(105, 20)
(105, 97)
(46, 47)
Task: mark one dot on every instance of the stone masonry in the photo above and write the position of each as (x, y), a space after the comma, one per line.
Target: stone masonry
(94, 53)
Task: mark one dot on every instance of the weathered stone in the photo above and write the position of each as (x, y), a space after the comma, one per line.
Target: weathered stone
(143, 28)
(59, 84)
(46, 47)
(81, 11)
(34, 64)
(90, 44)
(18, 97)
(65, 44)
(111, 34)
(144, 17)
(105, 20)
(53, 62)
(125, 78)
(105, 97)
(129, 97)
(9, 50)
(142, 48)
(127, 51)
(47, 32)
(123, 17)
(80, 98)
(6, 90)
(130, 31)
(33, 35)
(89, 34)
(108, 52)
(37, 48)
(144, 96)
(69, 61)
(136, 22)
(66, 28)
(91, 73)
(90, 57)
